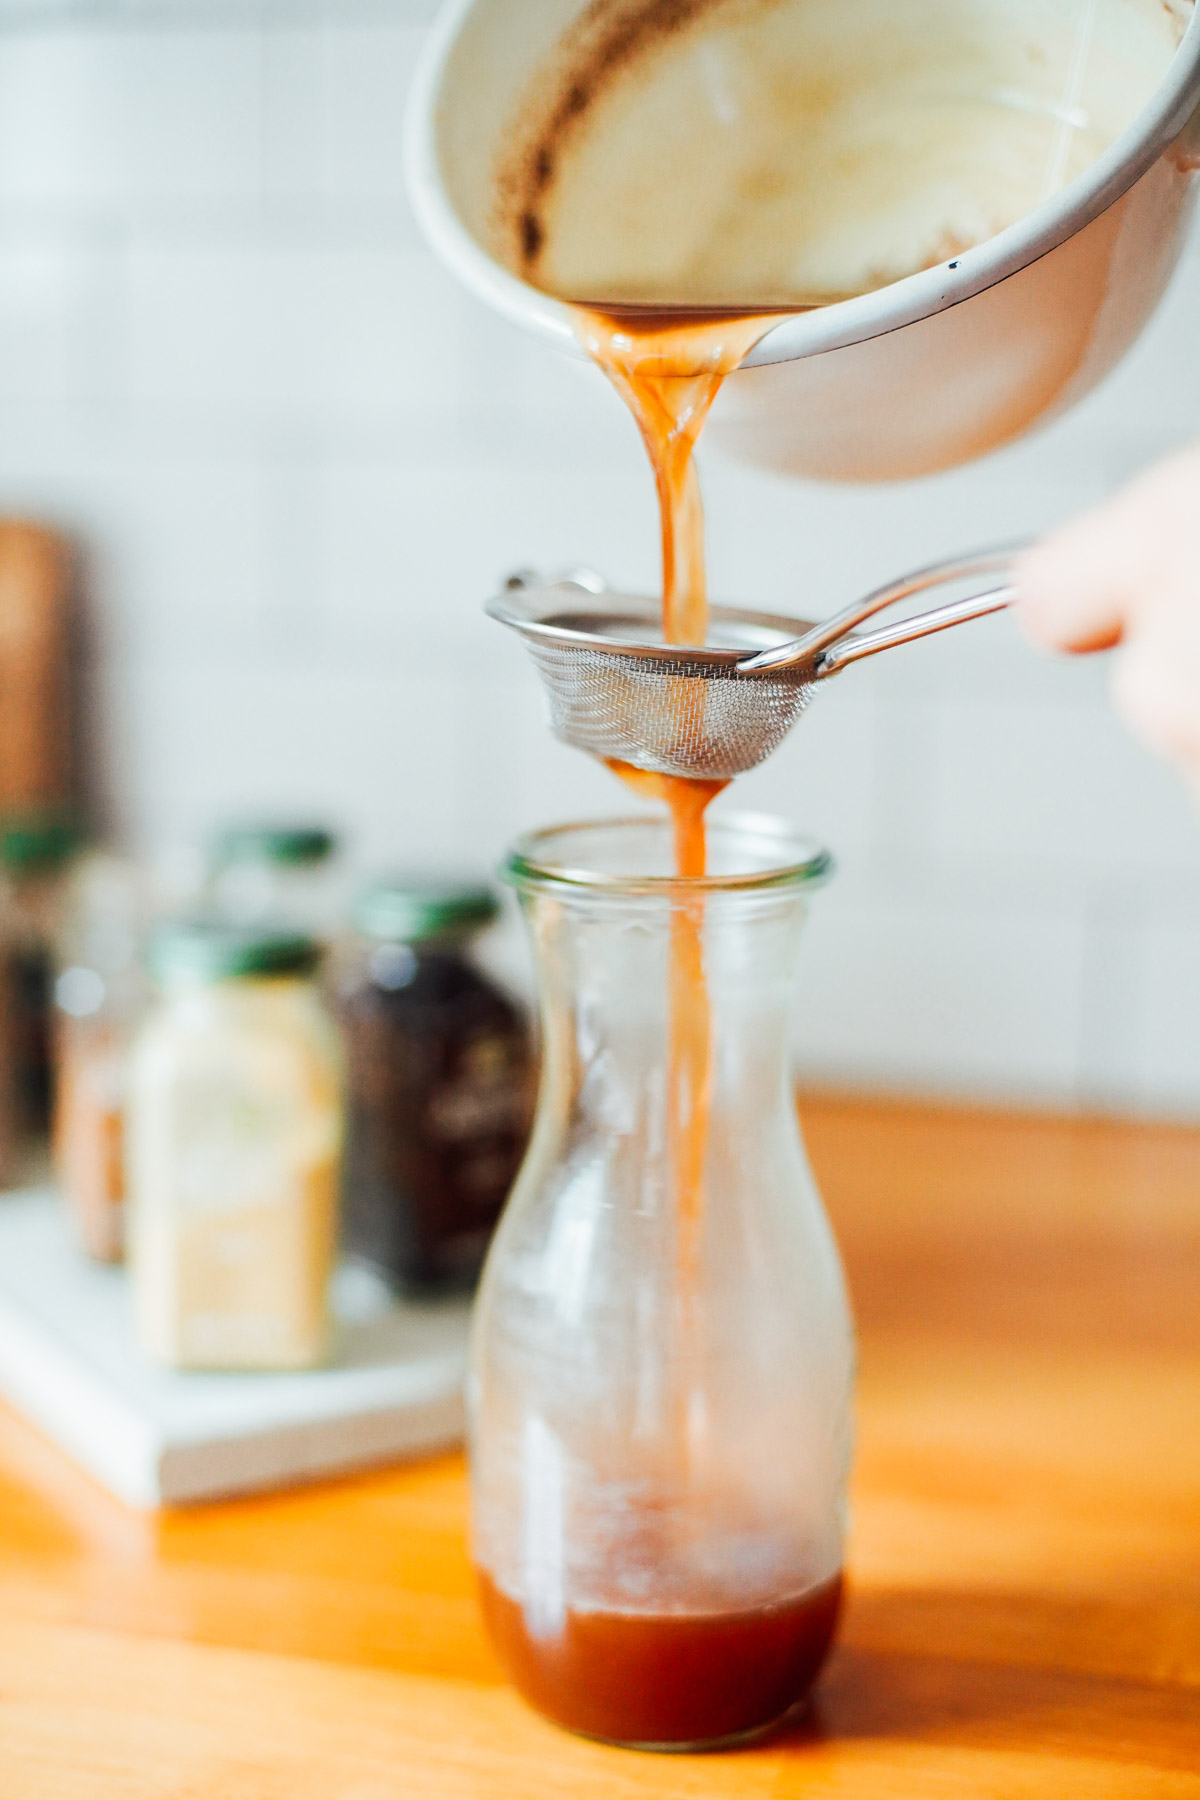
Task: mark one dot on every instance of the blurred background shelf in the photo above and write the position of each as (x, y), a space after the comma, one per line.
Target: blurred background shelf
(69, 1363)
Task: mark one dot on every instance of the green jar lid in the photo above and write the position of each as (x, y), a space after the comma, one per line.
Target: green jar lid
(30, 846)
(411, 911)
(292, 846)
(204, 950)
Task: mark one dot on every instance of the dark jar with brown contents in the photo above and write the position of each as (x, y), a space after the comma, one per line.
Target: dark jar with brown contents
(35, 855)
(441, 1085)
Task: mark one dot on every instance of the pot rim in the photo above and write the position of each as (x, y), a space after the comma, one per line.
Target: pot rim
(842, 322)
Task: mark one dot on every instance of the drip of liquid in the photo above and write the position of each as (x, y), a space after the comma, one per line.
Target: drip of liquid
(672, 1678)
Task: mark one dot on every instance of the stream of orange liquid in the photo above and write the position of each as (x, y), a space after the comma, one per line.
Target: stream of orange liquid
(689, 1028)
(669, 370)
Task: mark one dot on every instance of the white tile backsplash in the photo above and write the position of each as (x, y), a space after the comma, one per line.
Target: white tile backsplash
(294, 113)
(297, 329)
(1169, 1036)
(1114, 1014)
(1063, 784)
(901, 987)
(62, 318)
(184, 559)
(198, 325)
(367, 71)
(385, 331)
(824, 773)
(374, 753)
(299, 458)
(414, 553)
(119, 116)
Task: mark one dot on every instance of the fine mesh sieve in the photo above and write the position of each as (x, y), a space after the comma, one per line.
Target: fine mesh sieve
(615, 689)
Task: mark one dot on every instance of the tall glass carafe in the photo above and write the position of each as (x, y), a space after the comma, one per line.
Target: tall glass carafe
(661, 1381)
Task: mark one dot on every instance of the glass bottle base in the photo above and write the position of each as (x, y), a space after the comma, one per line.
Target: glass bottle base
(671, 1682)
(708, 1746)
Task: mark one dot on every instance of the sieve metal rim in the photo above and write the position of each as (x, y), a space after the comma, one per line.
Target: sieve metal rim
(523, 609)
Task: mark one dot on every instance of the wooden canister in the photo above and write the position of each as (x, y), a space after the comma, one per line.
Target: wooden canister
(35, 648)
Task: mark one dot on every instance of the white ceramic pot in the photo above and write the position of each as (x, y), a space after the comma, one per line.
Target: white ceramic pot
(921, 375)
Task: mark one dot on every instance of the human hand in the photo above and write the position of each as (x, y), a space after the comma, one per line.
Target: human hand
(1128, 573)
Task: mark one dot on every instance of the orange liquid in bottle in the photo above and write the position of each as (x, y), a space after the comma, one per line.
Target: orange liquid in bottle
(668, 1679)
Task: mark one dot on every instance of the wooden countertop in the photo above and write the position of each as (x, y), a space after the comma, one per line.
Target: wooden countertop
(1025, 1564)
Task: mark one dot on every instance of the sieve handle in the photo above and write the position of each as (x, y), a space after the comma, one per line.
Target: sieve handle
(920, 625)
(809, 648)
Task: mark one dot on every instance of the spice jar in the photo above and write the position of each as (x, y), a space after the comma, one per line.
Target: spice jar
(277, 875)
(34, 857)
(440, 1065)
(661, 1367)
(100, 994)
(234, 1135)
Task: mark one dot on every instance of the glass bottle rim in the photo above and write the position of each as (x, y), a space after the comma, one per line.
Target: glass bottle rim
(553, 858)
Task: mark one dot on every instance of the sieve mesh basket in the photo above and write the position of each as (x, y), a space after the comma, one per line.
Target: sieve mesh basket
(714, 711)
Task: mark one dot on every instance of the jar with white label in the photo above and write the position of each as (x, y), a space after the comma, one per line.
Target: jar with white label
(234, 1133)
